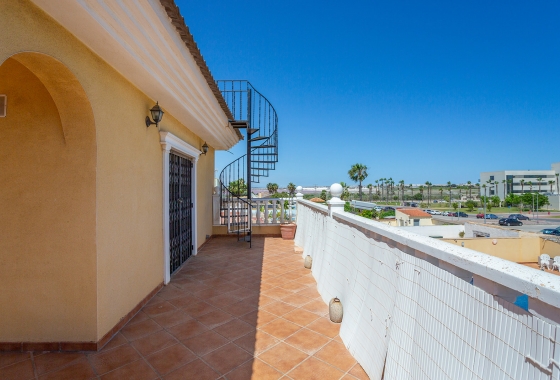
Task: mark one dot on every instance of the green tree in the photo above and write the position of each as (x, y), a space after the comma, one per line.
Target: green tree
(512, 200)
(455, 206)
(291, 189)
(471, 204)
(495, 200)
(345, 192)
(358, 173)
(323, 195)
(534, 199)
(370, 188)
(417, 196)
(238, 188)
(272, 188)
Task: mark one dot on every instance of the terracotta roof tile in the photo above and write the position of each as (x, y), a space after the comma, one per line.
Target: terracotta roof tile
(414, 212)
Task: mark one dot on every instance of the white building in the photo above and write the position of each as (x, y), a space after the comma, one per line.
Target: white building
(504, 182)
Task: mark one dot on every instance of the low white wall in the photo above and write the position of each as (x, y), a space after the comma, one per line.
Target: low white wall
(410, 310)
(471, 230)
(447, 232)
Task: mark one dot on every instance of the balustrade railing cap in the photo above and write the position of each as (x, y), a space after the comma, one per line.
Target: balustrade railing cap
(336, 190)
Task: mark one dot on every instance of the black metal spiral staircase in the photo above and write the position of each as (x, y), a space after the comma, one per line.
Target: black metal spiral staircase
(254, 114)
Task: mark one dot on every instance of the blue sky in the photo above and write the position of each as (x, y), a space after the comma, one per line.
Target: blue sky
(419, 91)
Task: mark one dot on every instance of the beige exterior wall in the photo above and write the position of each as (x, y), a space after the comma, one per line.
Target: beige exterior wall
(106, 247)
(519, 250)
(402, 220)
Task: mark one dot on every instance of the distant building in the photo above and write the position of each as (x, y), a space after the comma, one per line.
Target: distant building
(412, 217)
(505, 182)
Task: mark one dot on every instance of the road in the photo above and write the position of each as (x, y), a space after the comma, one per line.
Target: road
(528, 225)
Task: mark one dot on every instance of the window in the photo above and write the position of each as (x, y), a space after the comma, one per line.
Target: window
(491, 178)
(416, 222)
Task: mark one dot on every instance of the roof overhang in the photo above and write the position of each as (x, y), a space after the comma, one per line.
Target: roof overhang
(148, 43)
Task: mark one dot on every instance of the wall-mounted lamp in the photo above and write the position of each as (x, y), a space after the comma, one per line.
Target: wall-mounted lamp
(157, 115)
(205, 148)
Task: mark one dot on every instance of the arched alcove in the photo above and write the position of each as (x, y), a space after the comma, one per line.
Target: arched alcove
(47, 198)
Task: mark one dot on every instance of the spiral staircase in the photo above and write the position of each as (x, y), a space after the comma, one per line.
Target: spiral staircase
(255, 116)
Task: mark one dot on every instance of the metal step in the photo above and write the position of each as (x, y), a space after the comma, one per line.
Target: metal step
(264, 154)
(263, 146)
(252, 130)
(265, 162)
(259, 138)
(239, 123)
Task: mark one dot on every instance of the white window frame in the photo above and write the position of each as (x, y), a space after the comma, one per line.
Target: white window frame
(171, 143)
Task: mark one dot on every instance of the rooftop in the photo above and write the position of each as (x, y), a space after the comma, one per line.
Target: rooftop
(230, 312)
(414, 212)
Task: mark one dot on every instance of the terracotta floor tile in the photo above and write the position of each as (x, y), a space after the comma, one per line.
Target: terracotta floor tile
(80, 370)
(227, 358)
(138, 370)
(55, 360)
(194, 370)
(215, 318)
(310, 291)
(254, 369)
(293, 286)
(239, 308)
(139, 317)
(316, 306)
(140, 329)
(307, 280)
(296, 299)
(19, 370)
(301, 317)
(171, 319)
(280, 328)
(234, 329)
(187, 330)
(324, 326)
(337, 355)
(205, 342)
(170, 358)
(223, 300)
(154, 342)
(160, 308)
(277, 293)
(113, 359)
(198, 309)
(278, 308)
(358, 372)
(283, 357)
(256, 342)
(116, 341)
(171, 291)
(8, 358)
(314, 369)
(184, 301)
(307, 341)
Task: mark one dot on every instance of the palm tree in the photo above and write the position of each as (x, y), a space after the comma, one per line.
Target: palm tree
(421, 190)
(557, 184)
(382, 180)
(496, 186)
(441, 192)
(530, 183)
(470, 189)
(345, 193)
(504, 184)
(428, 186)
(358, 173)
(551, 182)
(411, 191)
(272, 188)
(449, 187)
(522, 182)
(377, 186)
(370, 188)
(401, 182)
(539, 182)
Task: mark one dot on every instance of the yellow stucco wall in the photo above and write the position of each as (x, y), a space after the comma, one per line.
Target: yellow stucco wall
(127, 236)
(47, 217)
(519, 250)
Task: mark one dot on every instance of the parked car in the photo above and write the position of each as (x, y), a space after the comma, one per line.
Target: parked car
(388, 208)
(436, 212)
(446, 213)
(518, 217)
(510, 222)
(378, 208)
(480, 216)
(429, 211)
(461, 214)
(492, 216)
(414, 205)
(550, 231)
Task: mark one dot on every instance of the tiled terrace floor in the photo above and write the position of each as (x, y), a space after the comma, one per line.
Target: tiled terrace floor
(229, 313)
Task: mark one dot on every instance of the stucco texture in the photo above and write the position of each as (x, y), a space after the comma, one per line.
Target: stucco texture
(82, 192)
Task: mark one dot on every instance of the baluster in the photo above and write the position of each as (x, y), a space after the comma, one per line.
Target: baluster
(282, 210)
(265, 212)
(258, 220)
(274, 208)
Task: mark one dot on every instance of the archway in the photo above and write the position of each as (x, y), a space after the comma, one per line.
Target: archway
(47, 198)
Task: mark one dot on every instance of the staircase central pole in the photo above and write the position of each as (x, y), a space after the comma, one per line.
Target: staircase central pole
(249, 177)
